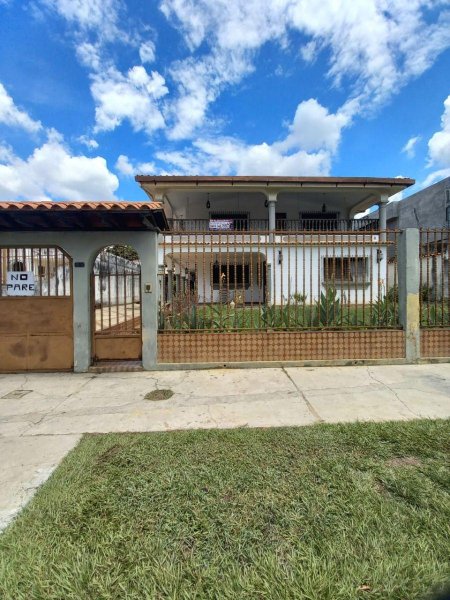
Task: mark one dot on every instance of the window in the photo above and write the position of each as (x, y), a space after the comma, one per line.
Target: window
(352, 269)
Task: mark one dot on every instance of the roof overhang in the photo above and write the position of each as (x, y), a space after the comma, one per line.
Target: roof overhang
(356, 193)
(82, 216)
(166, 182)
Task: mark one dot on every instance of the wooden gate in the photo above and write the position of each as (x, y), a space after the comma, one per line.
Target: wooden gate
(36, 309)
(116, 305)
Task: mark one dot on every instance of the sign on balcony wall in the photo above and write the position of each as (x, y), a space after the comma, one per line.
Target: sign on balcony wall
(20, 283)
(221, 224)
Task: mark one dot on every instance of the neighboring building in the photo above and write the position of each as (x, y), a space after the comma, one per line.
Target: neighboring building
(271, 240)
(428, 208)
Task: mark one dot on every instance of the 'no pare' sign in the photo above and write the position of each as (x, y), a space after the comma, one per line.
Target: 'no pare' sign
(20, 283)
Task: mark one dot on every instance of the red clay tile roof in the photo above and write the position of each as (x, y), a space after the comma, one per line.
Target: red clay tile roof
(54, 206)
(82, 216)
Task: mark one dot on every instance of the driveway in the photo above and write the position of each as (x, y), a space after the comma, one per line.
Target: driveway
(42, 416)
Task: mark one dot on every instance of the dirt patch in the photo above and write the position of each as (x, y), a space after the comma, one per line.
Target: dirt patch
(404, 461)
(107, 455)
(159, 395)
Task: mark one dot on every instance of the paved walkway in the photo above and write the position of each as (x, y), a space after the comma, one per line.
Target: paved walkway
(39, 428)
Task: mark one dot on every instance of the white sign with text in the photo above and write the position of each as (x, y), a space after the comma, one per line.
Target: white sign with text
(20, 283)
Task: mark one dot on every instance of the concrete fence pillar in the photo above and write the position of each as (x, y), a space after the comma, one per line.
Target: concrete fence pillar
(148, 252)
(409, 290)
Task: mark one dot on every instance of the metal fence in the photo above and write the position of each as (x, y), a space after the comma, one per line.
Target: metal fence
(434, 278)
(283, 281)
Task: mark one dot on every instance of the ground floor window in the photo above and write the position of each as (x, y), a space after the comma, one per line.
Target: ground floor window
(352, 269)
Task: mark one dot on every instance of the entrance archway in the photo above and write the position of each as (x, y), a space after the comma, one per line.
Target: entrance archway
(116, 305)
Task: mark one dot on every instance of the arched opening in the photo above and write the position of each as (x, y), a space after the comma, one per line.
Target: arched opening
(116, 305)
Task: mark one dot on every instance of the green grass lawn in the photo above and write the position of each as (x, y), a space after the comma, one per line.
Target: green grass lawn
(324, 512)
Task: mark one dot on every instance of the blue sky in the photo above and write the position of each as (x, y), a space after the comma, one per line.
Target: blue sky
(95, 91)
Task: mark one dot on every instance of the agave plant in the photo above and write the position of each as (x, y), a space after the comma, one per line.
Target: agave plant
(327, 309)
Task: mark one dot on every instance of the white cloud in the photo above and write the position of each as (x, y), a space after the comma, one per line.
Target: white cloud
(309, 51)
(199, 83)
(89, 55)
(147, 52)
(439, 144)
(13, 116)
(315, 128)
(410, 147)
(375, 46)
(439, 149)
(125, 167)
(101, 16)
(133, 97)
(434, 177)
(52, 172)
(300, 153)
(88, 142)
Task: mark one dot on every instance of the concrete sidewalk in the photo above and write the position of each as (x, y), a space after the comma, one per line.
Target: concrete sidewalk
(39, 428)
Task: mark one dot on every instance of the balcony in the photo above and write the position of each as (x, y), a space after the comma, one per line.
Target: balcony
(262, 225)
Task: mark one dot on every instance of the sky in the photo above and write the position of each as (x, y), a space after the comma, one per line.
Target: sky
(93, 92)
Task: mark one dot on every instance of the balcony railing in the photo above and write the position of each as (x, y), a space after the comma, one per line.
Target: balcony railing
(238, 224)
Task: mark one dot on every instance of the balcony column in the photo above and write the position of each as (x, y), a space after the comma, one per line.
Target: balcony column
(384, 199)
(272, 201)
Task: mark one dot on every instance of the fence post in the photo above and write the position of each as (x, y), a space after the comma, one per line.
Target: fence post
(409, 290)
(148, 253)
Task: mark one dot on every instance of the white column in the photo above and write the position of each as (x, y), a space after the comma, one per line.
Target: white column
(384, 199)
(272, 201)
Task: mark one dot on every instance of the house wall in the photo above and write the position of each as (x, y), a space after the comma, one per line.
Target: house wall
(309, 277)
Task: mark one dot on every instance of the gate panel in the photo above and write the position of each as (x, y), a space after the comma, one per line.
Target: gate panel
(36, 332)
(116, 297)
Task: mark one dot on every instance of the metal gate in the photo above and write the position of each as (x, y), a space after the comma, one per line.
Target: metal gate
(116, 305)
(36, 309)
